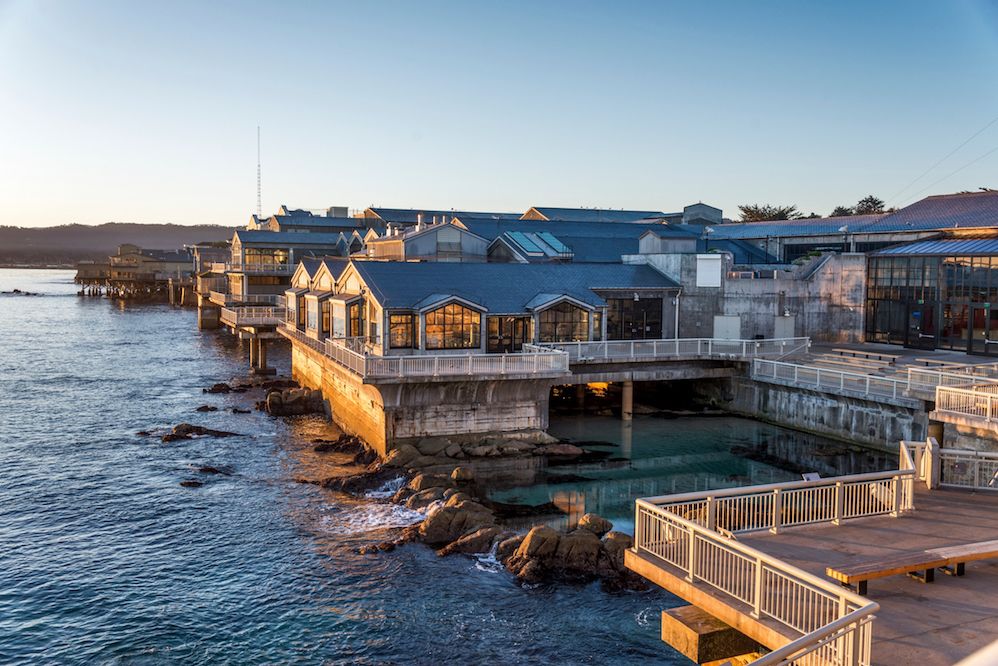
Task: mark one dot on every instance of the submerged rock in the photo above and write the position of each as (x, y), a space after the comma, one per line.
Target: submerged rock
(463, 474)
(206, 408)
(236, 410)
(479, 541)
(295, 402)
(221, 387)
(401, 456)
(563, 449)
(448, 523)
(191, 483)
(187, 431)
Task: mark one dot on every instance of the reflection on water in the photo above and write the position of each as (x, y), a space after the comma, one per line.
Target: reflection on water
(652, 456)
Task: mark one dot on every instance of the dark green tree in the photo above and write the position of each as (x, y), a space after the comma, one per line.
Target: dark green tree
(869, 206)
(766, 212)
(842, 211)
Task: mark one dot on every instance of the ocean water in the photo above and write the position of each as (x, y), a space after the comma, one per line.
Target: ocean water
(105, 558)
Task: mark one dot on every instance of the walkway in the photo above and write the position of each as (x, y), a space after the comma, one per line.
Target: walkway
(919, 624)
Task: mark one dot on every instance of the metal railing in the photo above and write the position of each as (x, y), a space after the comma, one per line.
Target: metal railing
(223, 299)
(252, 316)
(342, 350)
(809, 376)
(280, 269)
(834, 623)
(978, 402)
(961, 468)
(643, 350)
(927, 379)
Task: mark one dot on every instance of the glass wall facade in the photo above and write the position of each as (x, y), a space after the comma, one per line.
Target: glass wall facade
(453, 327)
(563, 323)
(931, 302)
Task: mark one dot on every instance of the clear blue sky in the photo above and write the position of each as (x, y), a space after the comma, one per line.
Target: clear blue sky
(147, 112)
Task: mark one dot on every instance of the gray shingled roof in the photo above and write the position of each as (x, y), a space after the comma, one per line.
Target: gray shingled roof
(410, 215)
(500, 288)
(791, 228)
(286, 238)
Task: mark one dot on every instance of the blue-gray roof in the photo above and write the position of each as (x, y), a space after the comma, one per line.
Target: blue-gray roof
(286, 238)
(321, 221)
(500, 288)
(944, 211)
(411, 215)
(588, 241)
(595, 214)
(945, 246)
(790, 228)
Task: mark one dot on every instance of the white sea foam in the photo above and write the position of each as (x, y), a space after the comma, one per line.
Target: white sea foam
(488, 562)
(369, 517)
(387, 489)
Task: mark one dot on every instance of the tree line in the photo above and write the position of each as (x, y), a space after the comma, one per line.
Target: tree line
(869, 205)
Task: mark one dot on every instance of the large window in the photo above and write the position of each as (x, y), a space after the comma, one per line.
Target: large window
(564, 323)
(355, 318)
(312, 309)
(401, 331)
(453, 327)
(629, 319)
(327, 307)
(266, 256)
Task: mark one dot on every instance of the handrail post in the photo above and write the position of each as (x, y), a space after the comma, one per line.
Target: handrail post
(711, 514)
(436, 366)
(840, 502)
(896, 509)
(777, 511)
(757, 592)
(691, 554)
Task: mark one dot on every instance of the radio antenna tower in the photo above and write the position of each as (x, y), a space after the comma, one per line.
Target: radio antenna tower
(259, 198)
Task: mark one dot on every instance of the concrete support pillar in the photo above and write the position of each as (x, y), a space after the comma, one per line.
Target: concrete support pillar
(936, 430)
(208, 314)
(627, 401)
(580, 396)
(252, 352)
(261, 354)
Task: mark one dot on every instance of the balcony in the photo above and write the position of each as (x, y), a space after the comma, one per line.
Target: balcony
(533, 362)
(251, 316)
(231, 300)
(618, 351)
(261, 269)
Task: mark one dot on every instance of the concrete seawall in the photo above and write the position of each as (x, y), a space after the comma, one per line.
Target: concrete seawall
(388, 412)
(863, 421)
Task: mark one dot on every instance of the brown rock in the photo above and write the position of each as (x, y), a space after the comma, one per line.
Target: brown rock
(508, 546)
(401, 456)
(463, 474)
(428, 461)
(424, 481)
(578, 551)
(565, 450)
(596, 524)
(532, 571)
(456, 498)
(454, 451)
(479, 541)
(424, 498)
(541, 541)
(615, 543)
(432, 446)
(482, 451)
(448, 523)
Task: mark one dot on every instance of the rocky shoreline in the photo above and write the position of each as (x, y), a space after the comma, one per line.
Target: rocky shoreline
(460, 519)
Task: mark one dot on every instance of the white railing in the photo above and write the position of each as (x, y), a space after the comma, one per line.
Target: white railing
(978, 402)
(281, 269)
(809, 376)
(643, 350)
(927, 379)
(251, 316)
(961, 468)
(223, 299)
(834, 623)
(345, 352)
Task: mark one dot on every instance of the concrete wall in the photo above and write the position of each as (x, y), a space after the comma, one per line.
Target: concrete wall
(825, 297)
(851, 419)
(391, 413)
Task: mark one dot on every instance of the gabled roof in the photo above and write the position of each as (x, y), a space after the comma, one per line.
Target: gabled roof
(409, 233)
(590, 214)
(501, 288)
(169, 256)
(320, 222)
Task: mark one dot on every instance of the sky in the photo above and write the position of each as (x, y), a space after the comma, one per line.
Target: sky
(148, 112)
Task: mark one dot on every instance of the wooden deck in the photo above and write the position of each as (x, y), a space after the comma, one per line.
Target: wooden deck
(919, 624)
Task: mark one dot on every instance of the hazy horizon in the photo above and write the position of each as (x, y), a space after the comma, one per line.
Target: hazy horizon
(142, 113)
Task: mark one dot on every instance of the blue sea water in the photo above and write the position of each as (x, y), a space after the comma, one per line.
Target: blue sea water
(105, 558)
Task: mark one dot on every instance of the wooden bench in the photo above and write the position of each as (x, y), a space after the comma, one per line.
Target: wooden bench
(920, 565)
(849, 366)
(860, 353)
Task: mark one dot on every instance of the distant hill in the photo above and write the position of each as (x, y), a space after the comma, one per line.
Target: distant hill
(70, 243)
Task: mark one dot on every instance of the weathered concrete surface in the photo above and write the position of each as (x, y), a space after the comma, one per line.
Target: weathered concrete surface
(586, 373)
(963, 432)
(862, 421)
(384, 415)
(702, 637)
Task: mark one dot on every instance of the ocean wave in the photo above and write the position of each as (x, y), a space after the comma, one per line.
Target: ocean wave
(371, 517)
(488, 562)
(387, 489)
